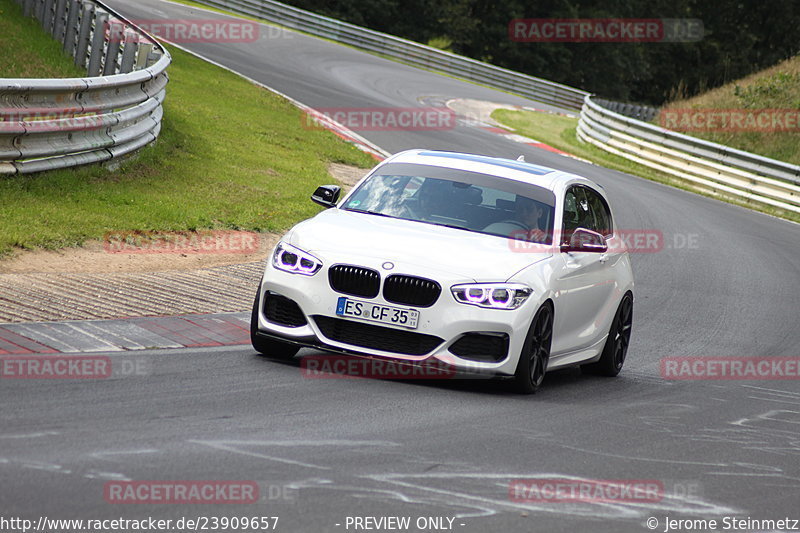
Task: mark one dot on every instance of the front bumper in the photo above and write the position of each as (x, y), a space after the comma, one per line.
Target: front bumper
(440, 334)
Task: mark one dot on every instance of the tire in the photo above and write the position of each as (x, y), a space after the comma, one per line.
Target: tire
(266, 345)
(535, 353)
(616, 347)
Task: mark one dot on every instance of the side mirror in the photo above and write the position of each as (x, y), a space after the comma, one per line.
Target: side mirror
(584, 240)
(326, 195)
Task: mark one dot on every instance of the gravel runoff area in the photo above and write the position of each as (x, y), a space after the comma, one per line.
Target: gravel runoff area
(48, 297)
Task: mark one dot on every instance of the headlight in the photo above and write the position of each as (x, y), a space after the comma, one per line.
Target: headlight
(492, 295)
(294, 260)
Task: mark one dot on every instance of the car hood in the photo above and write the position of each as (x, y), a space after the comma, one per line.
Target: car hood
(345, 236)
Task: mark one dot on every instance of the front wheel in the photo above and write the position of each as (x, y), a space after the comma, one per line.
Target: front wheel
(535, 353)
(266, 345)
(616, 347)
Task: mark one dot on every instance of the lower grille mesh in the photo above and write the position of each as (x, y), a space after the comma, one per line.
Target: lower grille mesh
(282, 310)
(376, 337)
(481, 347)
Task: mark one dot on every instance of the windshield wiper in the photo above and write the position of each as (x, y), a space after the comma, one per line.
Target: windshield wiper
(376, 213)
(453, 226)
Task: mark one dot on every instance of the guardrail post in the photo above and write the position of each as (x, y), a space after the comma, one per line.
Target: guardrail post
(152, 57)
(114, 41)
(98, 43)
(82, 46)
(72, 27)
(47, 15)
(142, 55)
(129, 50)
(60, 19)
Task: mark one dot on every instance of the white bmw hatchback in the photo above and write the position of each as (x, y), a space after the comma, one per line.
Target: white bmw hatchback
(486, 265)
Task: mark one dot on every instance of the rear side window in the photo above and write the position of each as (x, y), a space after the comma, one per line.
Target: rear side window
(585, 208)
(576, 213)
(600, 212)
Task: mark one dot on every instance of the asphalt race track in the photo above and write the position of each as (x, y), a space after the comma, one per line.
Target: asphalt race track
(321, 450)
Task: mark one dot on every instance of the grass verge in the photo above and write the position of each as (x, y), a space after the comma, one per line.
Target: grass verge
(230, 156)
(35, 54)
(777, 87)
(561, 132)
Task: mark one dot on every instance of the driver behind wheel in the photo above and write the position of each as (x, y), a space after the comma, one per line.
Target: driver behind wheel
(528, 222)
(528, 212)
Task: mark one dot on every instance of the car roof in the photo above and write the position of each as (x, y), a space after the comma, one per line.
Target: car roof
(506, 168)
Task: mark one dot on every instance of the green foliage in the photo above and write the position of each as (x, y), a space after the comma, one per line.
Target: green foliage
(442, 43)
(770, 91)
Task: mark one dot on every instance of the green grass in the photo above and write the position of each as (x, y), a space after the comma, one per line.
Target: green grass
(230, 156)
(561, 132)
(26, 51)
(777, 87)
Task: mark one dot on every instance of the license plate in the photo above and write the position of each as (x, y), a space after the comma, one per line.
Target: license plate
(385, 314)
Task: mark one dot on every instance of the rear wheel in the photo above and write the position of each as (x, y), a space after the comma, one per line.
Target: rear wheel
(266, 345)
(616, 347)
(535, 353)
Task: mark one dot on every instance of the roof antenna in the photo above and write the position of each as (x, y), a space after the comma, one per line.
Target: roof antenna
(521, 158)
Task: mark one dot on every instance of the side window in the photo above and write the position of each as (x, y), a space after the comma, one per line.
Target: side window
(601, 212)
(576, 213)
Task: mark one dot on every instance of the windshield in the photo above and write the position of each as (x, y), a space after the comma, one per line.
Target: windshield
(458, 199)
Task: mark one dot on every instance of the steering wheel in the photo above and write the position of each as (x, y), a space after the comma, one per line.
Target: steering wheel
(516, 223)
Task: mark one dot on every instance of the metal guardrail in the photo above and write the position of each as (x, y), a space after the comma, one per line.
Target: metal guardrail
(407, 51)
(713, 167)
(47, 124)
(637, 111)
